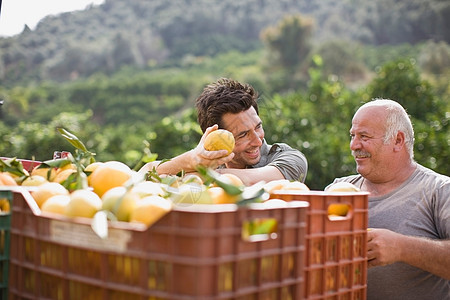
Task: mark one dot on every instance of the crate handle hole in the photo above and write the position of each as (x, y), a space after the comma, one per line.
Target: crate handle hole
(339, 211)
(259, 229)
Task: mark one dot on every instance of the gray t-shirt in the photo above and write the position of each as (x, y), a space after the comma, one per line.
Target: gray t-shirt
(419, 207)
(291, 162)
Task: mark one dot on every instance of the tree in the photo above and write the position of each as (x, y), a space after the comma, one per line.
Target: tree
(288, 45)
(401, 81)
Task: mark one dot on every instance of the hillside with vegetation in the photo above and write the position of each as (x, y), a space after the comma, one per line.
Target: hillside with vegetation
(123, 76)
(146, 33)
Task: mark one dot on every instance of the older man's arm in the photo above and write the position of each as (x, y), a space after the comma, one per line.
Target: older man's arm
(386, 247)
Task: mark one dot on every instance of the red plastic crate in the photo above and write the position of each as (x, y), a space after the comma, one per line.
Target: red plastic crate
(27, 164)
(336, 248)
(194, 252)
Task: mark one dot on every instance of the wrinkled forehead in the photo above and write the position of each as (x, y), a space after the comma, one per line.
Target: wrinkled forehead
(371, 118)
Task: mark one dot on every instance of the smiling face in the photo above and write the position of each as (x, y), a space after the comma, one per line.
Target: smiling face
(248, 133)
(373, 157)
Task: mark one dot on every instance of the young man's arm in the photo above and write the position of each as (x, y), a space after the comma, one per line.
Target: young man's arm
(188, 161)
(252, 176)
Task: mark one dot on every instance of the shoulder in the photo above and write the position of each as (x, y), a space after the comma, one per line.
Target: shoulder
(429, 177)
(280, 147)
(284, 148)
(284, 151)
(356, 179)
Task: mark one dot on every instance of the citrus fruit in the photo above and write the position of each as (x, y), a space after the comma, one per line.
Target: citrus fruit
(90, 168)
(342, 186)
(108, 175)
(63, 175)
(150, 209)
(56, 204)
(120, 202)
(47, 190)
(338, 209)
(6, 179)
(192, 178)
(4, 205)
(189, 193)
(295, 186)
(34, 180)
(47, 173)
(219, 196)
(275, 185)
(83, 203)
(229, 178)
(147, 188)
(219, 139)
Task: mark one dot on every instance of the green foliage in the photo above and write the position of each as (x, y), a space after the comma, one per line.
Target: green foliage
(316, 123)
(133, 115)
(340, 57)
(401, 81)
(435, 58)
(176, 134)
(121, 33)
(288, 45)
(289, 41)
(38, 141)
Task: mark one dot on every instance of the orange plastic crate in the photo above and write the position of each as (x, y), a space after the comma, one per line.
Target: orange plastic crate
(336, 248)
(194, 252)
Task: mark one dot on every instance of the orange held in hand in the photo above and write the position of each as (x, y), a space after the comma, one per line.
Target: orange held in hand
(219, 139)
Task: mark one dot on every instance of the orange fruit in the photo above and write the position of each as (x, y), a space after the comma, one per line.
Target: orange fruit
(275, 185)
(295, 186)
(7, 179)
(63, 175)
(342, 186)
(108, 175)
(5, 207)
(47, 190)
(150, 209)
(219, 196)
(47, 173)
(147, 188)
(189, 193)
(56, 204)
(219, 139)
(34, 180)
(91, 168)
(338, 209)
(127, 199)
(230, 179)
(83, 203)
(70, 166)
(192, 178)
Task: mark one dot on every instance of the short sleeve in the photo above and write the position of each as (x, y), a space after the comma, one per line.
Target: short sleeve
(289, 161)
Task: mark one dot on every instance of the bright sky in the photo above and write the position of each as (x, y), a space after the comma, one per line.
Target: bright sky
(16, 13)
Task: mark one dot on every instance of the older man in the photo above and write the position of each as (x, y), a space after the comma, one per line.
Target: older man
(409, 207)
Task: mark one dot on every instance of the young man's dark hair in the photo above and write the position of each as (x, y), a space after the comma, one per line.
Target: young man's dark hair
(221, 97)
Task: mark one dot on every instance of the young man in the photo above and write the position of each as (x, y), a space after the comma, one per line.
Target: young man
(409, 207)
(231, 105)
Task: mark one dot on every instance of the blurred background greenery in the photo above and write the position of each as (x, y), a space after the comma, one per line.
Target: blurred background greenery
(123, 76)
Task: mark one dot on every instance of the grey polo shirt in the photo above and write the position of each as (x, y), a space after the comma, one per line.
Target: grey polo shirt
(291, 162)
